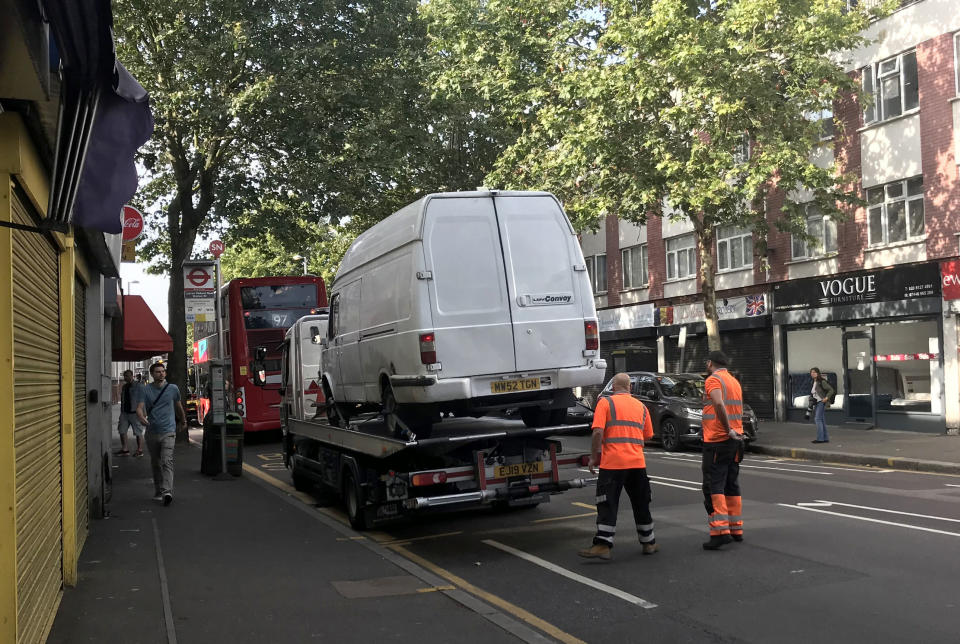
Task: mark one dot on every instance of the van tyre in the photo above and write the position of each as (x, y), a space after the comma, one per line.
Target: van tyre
(535, 417)
(669, 435)
(353, 499)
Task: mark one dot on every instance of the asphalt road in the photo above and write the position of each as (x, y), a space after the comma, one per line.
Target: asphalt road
(831, 553)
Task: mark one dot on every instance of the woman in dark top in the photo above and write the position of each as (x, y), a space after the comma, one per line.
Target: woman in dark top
(822, 392)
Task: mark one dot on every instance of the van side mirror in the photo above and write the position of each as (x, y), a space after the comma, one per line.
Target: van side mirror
(315, 336)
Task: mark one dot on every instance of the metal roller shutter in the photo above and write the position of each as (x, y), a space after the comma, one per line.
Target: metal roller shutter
(751, 354)
(36, 375)
(80, 412)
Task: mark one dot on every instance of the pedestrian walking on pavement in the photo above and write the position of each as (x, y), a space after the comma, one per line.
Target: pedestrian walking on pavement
(722, 452)
(161, 411)
(129, 399)
(822, 393)
(621, 423)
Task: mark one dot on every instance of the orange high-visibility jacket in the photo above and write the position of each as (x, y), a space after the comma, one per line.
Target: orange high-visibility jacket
(626, 424)
(713, 431)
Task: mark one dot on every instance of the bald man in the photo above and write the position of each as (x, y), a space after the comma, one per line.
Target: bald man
(621, 424)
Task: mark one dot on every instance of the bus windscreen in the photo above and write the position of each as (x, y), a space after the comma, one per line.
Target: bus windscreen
(279, 296)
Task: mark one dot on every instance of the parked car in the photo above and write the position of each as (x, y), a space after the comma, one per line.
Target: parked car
(577, 414)
(675, 401)
(463, 303)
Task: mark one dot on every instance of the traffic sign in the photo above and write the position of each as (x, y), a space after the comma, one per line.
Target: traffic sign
(132, 223)
(216, 247)
(199, 291)
(199, 277)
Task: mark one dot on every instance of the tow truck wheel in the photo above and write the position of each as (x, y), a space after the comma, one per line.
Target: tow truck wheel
(353, 498)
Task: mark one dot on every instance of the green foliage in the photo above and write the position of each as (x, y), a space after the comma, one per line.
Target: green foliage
(624, 104)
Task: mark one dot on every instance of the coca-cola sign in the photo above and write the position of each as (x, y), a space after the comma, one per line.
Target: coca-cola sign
(899, 283)
(132, 224)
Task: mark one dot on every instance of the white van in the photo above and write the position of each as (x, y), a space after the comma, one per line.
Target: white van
(467, 303)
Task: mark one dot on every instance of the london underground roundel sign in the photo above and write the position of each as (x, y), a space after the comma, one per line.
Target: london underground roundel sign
(132, 224)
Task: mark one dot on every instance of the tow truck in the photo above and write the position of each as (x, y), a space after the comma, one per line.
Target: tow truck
(466, 462)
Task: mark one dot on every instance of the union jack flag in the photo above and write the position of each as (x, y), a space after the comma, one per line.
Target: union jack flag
(756, 305)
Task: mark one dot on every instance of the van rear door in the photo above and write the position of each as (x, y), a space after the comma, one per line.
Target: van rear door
(540, 252)
(468, 289)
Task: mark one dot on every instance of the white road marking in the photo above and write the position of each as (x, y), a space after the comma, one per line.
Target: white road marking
(909, 514)
(664, 478)
(682, 487)
(616, 592)
(951, 485)
(868, 470)
(818, 504)
(853, 516)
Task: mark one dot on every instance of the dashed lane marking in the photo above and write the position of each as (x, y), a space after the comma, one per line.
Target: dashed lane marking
(908, 514)
(680, 487)
(516, 611)
(571, 516)
(870, 520)
(543, 563)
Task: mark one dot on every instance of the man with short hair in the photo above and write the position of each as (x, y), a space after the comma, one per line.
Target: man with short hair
(129, 399)
(620, 425)
(161, 411)
(722, 452)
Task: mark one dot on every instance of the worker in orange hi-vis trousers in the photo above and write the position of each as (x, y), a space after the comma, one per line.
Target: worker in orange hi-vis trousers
(722, 453)
(621, 424)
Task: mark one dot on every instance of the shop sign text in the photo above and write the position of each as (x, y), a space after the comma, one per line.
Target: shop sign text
(882, 285)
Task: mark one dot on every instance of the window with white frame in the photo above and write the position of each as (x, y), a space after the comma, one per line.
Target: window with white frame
(597, 270)
(822, 228)
(893, 86)
(895, 212)
(956, 60)
(734, 248)
(634, 266)
(681, 257)
(824, 119)
(741, 154)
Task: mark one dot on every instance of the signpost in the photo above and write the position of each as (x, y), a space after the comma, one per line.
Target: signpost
(216, 249)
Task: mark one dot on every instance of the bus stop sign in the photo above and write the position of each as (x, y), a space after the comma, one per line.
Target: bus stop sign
(216, 248)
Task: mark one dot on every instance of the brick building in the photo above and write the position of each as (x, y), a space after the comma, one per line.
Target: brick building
(865, 304)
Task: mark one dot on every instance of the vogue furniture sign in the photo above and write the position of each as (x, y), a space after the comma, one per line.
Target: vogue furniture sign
(880, 285)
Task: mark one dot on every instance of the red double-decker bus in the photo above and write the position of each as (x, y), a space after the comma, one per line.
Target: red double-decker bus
(257, 311)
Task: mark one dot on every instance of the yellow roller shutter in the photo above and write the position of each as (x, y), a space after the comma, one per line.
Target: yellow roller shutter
(80, 412)
(36, 377)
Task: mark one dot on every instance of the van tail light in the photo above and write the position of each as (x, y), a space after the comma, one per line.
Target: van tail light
(591, 334)
(428, 348)
(429, 478)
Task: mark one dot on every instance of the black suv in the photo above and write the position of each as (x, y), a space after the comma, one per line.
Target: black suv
(675, 401)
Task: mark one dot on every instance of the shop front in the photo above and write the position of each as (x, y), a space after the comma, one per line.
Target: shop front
(745, 336)
(876, 336)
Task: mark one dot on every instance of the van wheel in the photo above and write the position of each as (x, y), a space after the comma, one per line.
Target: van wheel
(535, 417)
(558, 416)
(353, 498)
(669, 435)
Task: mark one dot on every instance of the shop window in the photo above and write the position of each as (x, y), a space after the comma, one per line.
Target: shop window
(734, 248)
(681, 257)
(634, 266)
(822, 228)
(909, 376)
(892, 84)
(808, 348)
(597, 270)
(895, 212)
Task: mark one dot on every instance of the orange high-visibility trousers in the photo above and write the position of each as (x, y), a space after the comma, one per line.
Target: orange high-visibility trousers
(721, 487)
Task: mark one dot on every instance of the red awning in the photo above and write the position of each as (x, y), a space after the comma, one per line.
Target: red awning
(143, 335)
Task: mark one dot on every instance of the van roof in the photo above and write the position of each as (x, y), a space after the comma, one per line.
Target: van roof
(405, 226)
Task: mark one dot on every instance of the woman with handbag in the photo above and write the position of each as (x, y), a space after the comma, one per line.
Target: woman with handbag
(822, 392)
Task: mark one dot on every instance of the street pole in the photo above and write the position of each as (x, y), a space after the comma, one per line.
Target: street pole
(223, 475)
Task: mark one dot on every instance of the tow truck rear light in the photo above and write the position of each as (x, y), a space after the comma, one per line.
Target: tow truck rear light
(428, 348)
(591, 334)
(585, 460)
(429, 478)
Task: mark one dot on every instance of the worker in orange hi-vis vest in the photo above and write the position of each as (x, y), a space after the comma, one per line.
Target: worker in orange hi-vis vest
(621, 424)
(722, 453)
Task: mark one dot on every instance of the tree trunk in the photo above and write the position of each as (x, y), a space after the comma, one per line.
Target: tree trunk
(705, 237)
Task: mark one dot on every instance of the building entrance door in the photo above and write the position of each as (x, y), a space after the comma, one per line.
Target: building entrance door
(859, 376)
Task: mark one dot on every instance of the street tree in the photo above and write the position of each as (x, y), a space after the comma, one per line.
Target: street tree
(688, 109)
(266, 111)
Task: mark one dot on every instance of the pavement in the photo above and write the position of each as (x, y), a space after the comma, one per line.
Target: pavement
(913, 451)
(252, 560)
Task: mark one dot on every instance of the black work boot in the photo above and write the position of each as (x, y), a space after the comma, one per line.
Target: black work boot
(737, 537)
(717, 541)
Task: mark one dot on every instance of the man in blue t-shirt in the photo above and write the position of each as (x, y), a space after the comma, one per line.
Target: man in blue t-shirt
(162, 413)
